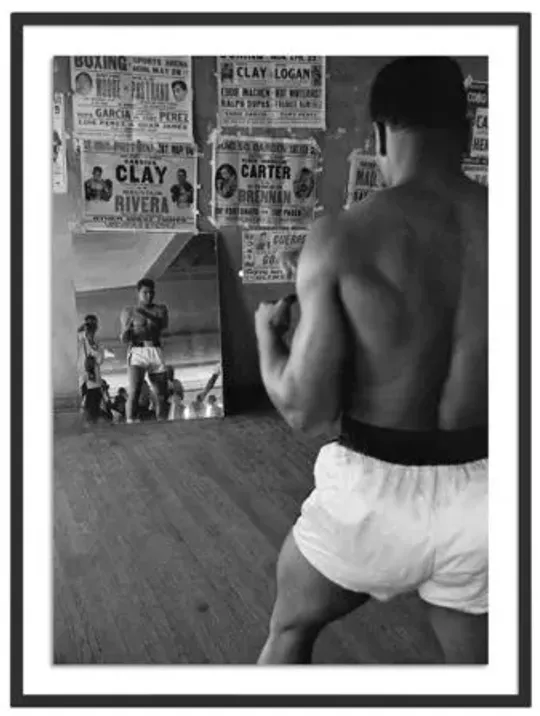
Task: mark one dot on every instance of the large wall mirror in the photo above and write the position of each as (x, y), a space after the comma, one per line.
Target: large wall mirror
(149, 341)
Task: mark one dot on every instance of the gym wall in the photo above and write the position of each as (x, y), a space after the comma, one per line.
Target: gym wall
(348, 82)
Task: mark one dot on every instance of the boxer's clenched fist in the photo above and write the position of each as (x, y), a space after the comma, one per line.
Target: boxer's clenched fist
(275, 315)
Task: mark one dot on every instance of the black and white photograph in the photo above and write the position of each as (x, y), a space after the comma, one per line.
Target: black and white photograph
(280, 425)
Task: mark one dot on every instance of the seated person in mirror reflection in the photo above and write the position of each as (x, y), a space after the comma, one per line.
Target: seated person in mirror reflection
(175, 391)
(196, 407)
(213, 409)
(118, 406)
(142, 327)
(90, 355)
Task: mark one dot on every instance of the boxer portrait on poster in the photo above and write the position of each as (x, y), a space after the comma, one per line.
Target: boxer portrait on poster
(226, 181)
(97, 188)
(182, 191)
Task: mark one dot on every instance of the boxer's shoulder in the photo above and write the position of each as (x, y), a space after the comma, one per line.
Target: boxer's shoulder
(365, 229)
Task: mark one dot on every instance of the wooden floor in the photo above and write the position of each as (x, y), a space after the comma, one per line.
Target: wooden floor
(166, 538)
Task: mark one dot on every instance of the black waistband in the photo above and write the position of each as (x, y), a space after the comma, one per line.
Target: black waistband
(145, 344)
(415, 447)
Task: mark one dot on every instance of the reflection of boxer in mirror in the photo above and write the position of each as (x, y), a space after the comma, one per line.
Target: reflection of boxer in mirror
(141, 328)
(391, 347)
(226, 181)
(97, 188)
(83, 84)
(182, 193)
(304, 183)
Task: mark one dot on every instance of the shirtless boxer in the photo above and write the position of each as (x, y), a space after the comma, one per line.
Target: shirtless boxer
(392, 343)
(141, 328)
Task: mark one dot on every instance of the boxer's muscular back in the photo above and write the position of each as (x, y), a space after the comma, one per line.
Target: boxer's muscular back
(412, 268)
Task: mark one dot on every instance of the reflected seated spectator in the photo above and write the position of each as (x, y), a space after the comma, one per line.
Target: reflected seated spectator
(213, 409)
(118, 407)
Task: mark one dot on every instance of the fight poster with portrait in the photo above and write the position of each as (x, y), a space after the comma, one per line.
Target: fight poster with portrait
(272, 91)
(364, 177)
(264, 181)
(270, 255)
(59, 164)
(477, 112)
(132, 98)
(134, 185)
(476, 161)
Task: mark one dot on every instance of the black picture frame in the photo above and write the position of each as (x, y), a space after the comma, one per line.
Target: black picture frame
(522, 21)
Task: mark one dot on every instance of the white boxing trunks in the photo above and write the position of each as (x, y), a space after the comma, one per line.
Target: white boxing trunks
(148, 357)
(383, 529)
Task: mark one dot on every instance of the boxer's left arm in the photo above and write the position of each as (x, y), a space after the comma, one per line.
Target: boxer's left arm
(305, 383)
(164, 318)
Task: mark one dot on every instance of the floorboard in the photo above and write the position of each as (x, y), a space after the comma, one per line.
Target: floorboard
(165, 543)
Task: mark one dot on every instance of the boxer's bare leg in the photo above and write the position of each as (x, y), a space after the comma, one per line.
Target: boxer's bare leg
(305, 603)
(159, 383)
(135, 381)
(463, 637)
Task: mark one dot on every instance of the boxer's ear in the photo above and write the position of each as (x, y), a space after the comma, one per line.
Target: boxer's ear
(379, 130)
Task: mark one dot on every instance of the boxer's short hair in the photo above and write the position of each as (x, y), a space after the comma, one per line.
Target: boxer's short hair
(420, 93)
(146, 283)
(179, 83)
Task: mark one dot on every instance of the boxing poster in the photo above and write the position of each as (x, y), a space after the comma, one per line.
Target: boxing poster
(132, 98)
(59, 165)
(477, 111)
(364, 177)
(476, 171)
(135, 185)
(264, 182)
(270, 91)
(270, 255)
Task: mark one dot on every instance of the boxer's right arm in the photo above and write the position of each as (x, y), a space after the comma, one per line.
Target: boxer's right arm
(304, 382)
(99, 354)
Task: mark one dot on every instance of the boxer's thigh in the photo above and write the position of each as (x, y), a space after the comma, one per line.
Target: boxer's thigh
(305, 598)
(463, 637)
(135, 377)
(159, 382)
